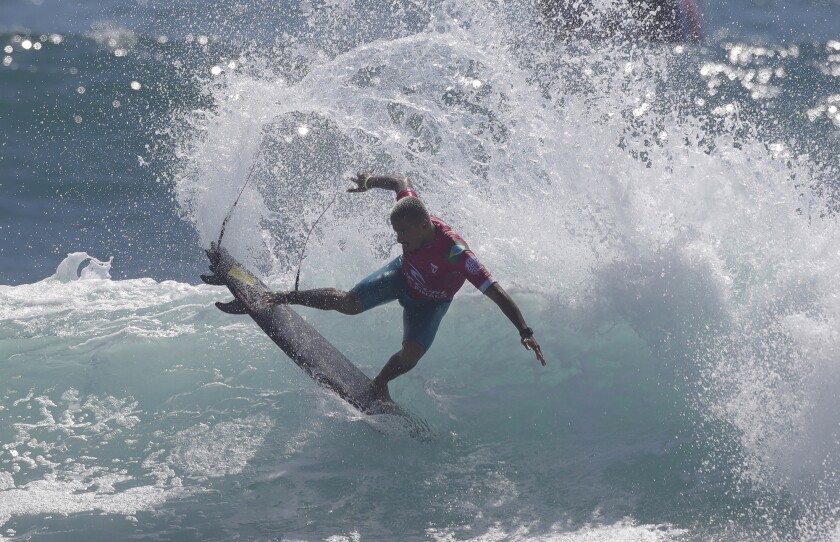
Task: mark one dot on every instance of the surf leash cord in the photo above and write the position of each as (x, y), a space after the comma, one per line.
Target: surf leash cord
(232, 207)
(303, 249)
(311, 229)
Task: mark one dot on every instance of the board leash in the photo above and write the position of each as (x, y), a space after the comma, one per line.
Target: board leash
(311, 229)
(303, 249)
(232, 207)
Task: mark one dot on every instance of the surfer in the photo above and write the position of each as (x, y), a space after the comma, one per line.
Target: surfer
(433, 266)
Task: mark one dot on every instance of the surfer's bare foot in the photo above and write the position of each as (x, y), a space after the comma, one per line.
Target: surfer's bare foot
(275, 298)
(380, 391)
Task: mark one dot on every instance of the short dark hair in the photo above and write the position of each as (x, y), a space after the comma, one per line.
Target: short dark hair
(410, 208)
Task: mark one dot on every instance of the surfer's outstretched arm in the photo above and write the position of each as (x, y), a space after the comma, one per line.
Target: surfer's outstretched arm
(511, 310)
(366, 180)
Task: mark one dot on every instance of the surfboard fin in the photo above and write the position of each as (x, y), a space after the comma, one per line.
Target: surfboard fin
(233, 306)
(213, 280)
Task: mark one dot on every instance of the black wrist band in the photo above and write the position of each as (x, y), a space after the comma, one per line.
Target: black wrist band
(526, 333)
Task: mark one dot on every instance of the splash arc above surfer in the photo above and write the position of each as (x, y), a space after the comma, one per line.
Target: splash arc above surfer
(435, 263)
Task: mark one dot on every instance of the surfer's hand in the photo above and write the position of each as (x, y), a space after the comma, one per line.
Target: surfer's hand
(360, 182)
(274, 298)
(531, 344)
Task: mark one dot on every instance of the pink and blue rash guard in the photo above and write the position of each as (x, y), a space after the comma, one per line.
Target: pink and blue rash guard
(424, 282)
(438, 271)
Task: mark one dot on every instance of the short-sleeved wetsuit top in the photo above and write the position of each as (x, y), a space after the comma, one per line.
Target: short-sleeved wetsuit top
(436, 272)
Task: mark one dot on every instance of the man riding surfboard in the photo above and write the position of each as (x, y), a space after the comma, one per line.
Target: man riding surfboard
(434, 265)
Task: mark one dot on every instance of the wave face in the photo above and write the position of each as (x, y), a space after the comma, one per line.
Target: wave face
(664, 221)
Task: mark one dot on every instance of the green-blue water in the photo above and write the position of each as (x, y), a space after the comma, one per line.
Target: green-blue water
(664, 214)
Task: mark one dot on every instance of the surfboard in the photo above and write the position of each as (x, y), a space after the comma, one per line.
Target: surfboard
(304, 345)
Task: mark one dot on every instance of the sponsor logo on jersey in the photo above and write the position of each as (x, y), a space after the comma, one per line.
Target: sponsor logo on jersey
(434, 268)
(473, 265)
(416, 275)
(417, 284)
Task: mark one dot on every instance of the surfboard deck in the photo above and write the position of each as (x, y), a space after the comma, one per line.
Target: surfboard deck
(297, 338)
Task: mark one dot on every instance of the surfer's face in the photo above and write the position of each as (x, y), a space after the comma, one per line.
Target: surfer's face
(412, 235)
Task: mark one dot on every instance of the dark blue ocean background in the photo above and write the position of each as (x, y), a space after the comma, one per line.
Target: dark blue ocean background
(665, 214)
